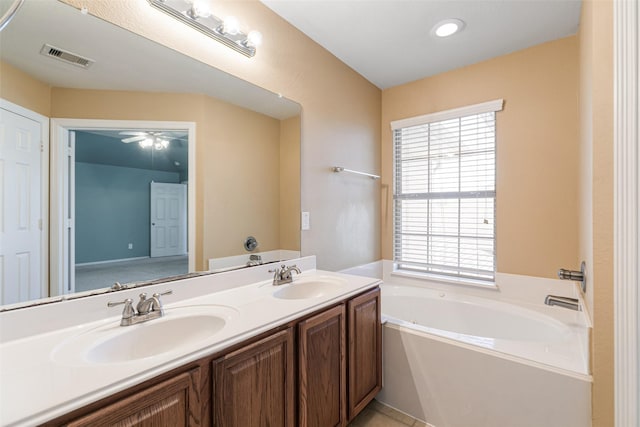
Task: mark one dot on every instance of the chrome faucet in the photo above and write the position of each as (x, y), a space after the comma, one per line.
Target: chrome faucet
(254, 260)
(282, 275)
(146, 309)
(565, 302)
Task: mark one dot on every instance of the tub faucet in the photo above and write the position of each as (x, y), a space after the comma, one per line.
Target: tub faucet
(254, 260)
(146, 309)
(282, 275)
(565, 302)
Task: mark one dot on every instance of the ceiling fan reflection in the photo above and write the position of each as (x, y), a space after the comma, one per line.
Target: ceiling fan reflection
(147, 139)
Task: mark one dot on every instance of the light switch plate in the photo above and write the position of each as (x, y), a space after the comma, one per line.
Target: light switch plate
(305, 221)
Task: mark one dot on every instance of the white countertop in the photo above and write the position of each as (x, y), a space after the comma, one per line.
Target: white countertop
(41, 378)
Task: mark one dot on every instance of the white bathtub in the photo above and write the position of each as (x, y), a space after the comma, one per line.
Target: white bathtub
(456, 360)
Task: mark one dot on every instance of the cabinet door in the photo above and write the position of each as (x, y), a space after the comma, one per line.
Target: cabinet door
(174, 402)
(365, 350)
(322, 369)
(254, 385)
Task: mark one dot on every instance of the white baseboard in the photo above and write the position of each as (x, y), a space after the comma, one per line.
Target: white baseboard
(110, 261)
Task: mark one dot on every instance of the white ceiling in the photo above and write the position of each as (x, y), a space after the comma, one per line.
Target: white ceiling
(123, 60)
(389, 41)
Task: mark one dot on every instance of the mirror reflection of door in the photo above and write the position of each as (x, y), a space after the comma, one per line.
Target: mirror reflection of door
(21, 214)
(114, 207)
(168, 219)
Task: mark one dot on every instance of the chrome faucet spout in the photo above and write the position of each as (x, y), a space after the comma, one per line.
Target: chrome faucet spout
(283, 275)
(146, 309)
(565, 302)
(145, 304)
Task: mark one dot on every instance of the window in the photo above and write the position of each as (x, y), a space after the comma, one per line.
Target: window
(445, 193)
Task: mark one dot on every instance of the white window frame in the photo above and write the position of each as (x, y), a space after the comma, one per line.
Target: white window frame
(485, 107)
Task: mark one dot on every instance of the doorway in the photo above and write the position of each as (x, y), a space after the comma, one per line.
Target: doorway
(101, 201)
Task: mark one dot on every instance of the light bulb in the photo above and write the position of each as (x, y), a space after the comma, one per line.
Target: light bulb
(201, 9)
(254, 38)
(231, 25)
(198, 9)
(160, 144)
(145, 143)
(448, 27)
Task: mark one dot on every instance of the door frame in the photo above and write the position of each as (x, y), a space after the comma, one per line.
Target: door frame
(626, 116)
(44, 187)
(60, 128)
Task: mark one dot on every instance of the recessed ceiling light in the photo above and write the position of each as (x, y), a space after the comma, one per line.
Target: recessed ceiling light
(448, 27)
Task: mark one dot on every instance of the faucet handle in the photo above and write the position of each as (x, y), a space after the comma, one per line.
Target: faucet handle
(126, 302)
(278, 270)
(128, 311)
(156, 297)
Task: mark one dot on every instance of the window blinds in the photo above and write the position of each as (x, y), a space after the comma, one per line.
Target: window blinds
(444, 195)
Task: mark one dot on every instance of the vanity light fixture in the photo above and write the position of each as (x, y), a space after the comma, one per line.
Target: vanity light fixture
(196, 14)
(448, 27)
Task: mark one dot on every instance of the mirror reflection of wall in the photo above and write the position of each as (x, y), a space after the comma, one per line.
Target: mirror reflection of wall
(114, 197)
(246, 161)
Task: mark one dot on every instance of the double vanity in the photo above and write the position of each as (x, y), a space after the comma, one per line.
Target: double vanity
(230, 349)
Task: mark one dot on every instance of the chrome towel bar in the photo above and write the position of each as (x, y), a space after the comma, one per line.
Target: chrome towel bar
(341, 169)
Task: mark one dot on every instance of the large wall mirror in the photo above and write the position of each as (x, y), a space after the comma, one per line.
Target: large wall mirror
(153, 165)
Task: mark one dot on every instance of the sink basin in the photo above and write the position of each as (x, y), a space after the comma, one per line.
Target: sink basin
(155, 338)
(180, 329)
(310, 288)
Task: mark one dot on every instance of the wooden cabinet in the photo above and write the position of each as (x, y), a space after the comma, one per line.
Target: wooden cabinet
(365, 350)
(322, 369)
(174, 402)
(332, 357)
(254, 386)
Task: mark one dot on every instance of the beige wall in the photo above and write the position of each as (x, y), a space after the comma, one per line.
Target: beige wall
(340, 121)
(241, 180)
(596, 194)
(290, 184)
(22, 89)
(537, 142)
(237, 161)
(543, 186)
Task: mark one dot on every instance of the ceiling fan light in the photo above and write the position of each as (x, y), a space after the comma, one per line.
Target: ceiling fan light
(145, 143)
(161, 144)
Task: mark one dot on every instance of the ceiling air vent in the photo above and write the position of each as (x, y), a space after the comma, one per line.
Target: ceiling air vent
(66, 56)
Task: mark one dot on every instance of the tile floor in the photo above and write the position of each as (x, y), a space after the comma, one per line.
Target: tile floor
(378, 415)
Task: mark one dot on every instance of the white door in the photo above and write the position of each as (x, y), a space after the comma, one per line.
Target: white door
(168, 219)
(20, 208)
